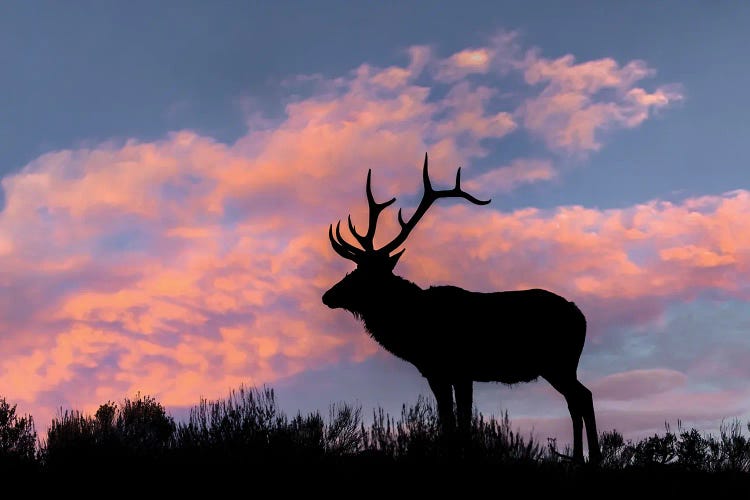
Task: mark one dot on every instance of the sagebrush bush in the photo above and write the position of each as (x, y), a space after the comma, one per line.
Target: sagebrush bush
(135, 431)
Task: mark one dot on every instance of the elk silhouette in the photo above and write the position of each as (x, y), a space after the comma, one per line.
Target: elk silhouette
(455, 337)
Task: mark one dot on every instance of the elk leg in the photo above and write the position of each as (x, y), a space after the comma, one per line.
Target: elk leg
(587, 406)
(569, 388)
(577, 417)
(464, 401)
(443, 392)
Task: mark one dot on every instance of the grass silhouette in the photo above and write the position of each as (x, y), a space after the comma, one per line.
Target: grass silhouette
(246, 431)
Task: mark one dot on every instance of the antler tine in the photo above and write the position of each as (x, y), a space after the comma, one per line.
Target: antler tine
(348, 246)
(339, 248)
(367, 240)
(426, 178)
(343, 247)
(458, 192)
(428, 198)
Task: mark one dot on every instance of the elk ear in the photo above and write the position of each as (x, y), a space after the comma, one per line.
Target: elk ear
(393, 259)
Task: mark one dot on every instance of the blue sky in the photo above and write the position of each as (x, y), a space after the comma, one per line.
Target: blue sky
(133, 81)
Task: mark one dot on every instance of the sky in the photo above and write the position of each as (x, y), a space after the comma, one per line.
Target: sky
(169, 171)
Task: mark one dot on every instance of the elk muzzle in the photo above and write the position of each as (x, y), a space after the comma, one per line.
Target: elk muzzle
(328, 299)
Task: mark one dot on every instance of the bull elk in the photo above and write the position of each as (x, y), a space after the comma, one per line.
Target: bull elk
(454, 336)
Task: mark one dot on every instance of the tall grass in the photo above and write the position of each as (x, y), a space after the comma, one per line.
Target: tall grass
(247, 428)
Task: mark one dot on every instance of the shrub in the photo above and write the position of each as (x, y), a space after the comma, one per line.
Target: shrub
(17, 436)
(141, 425)
(692, 450)
(616, 452)
(137, 431)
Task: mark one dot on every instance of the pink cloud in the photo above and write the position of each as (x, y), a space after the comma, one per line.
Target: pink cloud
(506, 178)
(572, 103)
(696, 256)
(571, 112)
(464, 63)
(596, 246)
(636, 384)
(588, 77)
(466, 107)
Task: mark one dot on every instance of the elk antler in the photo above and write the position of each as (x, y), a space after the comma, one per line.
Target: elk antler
(428, 198)
(346, 249)
(375, 208)
(351, 252)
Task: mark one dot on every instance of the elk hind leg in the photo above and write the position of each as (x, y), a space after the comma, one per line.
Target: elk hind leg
(592, 437)
(569, 388)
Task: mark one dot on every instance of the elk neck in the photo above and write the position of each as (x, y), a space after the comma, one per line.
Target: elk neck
(390, 310)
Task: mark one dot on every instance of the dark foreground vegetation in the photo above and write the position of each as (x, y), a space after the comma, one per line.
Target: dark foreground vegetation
(245, 437)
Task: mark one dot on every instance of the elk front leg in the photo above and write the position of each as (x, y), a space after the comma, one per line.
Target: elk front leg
(443, 392)
(464, 403)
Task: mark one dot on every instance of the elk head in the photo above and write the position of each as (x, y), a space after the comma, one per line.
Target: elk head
(375, 266)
